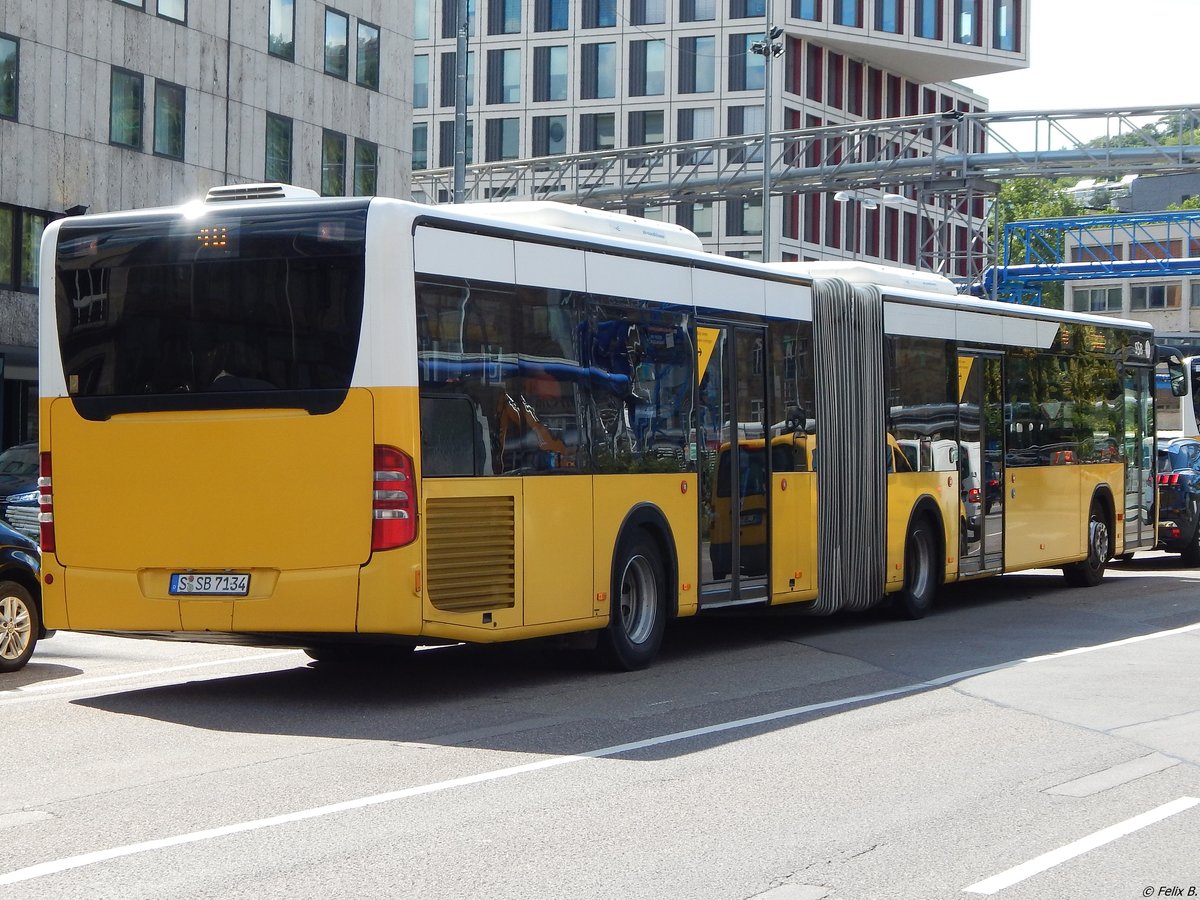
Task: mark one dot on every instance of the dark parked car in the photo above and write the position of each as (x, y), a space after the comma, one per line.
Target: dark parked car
(19, 488)
(1179, 497)
(20, 599)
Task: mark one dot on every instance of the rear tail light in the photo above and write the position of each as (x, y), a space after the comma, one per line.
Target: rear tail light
(45, 506)
(394, 503)
(973, 495)
(1169, 480)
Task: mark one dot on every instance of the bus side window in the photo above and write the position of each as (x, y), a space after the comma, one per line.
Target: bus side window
(451, 437)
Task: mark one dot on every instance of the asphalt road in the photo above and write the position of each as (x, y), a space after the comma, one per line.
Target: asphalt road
(1027, 740)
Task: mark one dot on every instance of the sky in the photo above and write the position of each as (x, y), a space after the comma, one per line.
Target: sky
(1102, 54)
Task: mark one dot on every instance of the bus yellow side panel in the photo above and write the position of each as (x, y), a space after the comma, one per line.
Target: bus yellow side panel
(793, 537)
(392, 582)
(558, 548)
(904, 490)
(1043, 520)
(675, 495)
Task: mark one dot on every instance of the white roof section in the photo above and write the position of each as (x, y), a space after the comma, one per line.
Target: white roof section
(591, 221)
(872, 273)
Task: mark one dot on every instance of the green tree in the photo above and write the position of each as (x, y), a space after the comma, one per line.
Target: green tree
(1025, 199)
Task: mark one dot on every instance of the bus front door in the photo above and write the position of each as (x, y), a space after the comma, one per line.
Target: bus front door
(1141, 532)
(735, 476)
(981, 463)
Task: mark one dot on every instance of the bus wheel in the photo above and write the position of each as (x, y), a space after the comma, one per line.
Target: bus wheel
(19, 626)
(915, 599)
(1090, 571)
(637, 619)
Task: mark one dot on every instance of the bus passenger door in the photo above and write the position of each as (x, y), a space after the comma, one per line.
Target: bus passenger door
(735, 473)
(1140, 519)
(981, 463)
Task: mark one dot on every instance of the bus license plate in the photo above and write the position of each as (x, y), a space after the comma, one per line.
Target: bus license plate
(223, 584)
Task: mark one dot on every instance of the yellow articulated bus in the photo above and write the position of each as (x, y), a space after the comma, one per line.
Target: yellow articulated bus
(353, 425)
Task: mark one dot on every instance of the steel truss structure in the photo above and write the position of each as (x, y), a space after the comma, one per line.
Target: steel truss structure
(946, 165)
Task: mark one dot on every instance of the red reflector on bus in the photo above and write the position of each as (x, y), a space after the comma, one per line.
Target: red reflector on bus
(45, 506)
(394, 500)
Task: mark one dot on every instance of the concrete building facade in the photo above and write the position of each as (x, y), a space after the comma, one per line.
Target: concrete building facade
(549, 77)
(118, 104)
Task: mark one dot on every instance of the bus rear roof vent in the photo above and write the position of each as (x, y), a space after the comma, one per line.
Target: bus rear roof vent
(269, 191)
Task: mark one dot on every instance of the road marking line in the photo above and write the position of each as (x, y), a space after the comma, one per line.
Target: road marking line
(87, 859)
(1077, 848)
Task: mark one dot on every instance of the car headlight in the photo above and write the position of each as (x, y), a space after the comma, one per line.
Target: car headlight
(27, 497)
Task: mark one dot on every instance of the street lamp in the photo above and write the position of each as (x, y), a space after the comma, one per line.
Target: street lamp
(768, 48)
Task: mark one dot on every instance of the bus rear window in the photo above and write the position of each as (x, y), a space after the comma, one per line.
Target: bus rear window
(231, 309)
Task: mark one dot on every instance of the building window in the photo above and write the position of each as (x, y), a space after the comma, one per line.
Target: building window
(747, 9)
(504, 76)
(449, 78)
(421, 20)
(1006, 25)
(337, 44)
(696, 217)
(549, 73)
(279, 149)
(9, 76)
(549, 135)
(420, 146)
(551, 15)
(450, 18)
(366, 71)
(848, 13)
(421, 82)
(743, 218)
(695, 125)
(645, 127)
(599, 13)
(504, 16)
(1195, 294)
(598, 71)
(647, 74)
(697, 10)
(697, 65)
(175, 10)
(1155, 296)
(20, 247)
(889, 16)
(745, 120)
(966, 22)
(125, 109)
(169, 107)
(745, 68)
(333, 164)
(929, 19)
(1097, 299)
(809, 9)
(366, 167)
(446, 143)
(502, 139)
(597, 131)
(647, 12)
(281, 29)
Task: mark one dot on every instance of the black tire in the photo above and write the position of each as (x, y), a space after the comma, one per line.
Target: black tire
(637, 617)
(352, 655)
(20, 625)
(1090, 571)
(921, 580)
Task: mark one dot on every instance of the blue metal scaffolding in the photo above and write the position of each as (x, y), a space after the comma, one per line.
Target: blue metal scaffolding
(1125, 245)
